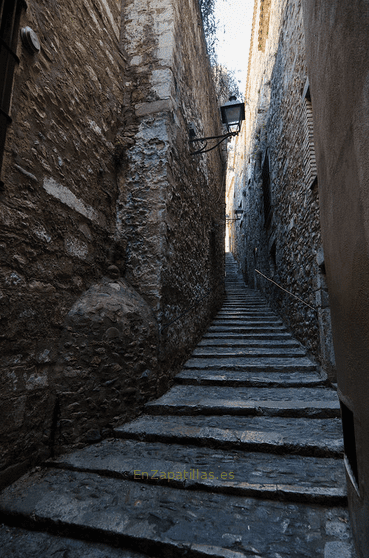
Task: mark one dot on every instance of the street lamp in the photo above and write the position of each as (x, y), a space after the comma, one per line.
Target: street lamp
(233, 113)
(238, 212)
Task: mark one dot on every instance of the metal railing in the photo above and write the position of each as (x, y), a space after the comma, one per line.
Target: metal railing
(285, 290)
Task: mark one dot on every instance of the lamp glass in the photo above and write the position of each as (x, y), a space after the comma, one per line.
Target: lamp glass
(233, 113)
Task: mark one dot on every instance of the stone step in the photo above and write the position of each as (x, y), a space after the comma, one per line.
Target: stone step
(239, 290)
(277, 435)
(238, 301)
(246, 314)
(20, 543)
(283, 402)
(249, 336)
(243, 302)
(241, 293)
(244, 342)
(165, 521)
(247, 322)
(249, 379)
(248, 352)
(238, 305)
(287, 364)
(246, 309)
(233, 327)
(259, 475)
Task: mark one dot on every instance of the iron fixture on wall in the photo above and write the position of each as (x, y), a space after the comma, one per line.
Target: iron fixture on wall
(239, 213)
(233, 113)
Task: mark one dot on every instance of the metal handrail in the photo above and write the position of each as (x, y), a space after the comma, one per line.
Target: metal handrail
(285, 290)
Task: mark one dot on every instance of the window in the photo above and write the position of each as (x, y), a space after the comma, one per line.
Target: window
(10, 13)
(273, 257)
(308, 144)
(349, 442)
(267, 195)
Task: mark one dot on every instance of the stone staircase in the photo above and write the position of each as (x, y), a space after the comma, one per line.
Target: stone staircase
(241, 458)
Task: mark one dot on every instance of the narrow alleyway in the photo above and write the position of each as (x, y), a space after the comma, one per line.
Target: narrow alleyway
(241, 458)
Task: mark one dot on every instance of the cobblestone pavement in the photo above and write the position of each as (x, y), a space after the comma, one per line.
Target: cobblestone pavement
(241, 458)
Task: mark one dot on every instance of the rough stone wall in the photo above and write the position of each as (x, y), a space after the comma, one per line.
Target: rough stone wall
(99, 184)
(282, 240)
(58, 205)
(337, 42)
(182, 219)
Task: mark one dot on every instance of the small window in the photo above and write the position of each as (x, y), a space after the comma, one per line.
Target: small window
(349, 441)
(267, 194)
(308, 144)
(10, 13)
(273, 256)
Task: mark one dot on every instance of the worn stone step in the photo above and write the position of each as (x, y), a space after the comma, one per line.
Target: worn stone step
(298, 436)
(240, 289)
(249, 379)
(238, 328)
(166, 521)
(21, 543)
(244, 342)
(245, 305)
(246, 314)
(246, 309)
(239, 293)
(239, 296)
(252, 313)
(256, 323)
(248, 352)
(259, 475)
(239, 305)
(248, 336)
(233, 300)
(238, 302)
(287, 402)
(270, 325)
(247, 363)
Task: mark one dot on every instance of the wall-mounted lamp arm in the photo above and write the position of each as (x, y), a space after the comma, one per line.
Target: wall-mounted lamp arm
(203, 149)
(233, 113)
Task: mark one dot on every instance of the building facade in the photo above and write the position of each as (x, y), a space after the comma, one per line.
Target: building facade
(299, 173)
(338, 63)
(111, 232)
(277, 242)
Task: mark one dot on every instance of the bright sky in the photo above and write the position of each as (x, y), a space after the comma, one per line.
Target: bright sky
(234, 31)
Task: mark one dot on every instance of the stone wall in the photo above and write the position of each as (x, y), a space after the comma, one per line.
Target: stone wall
(109, 228)
(182, 219)
(337, 43)
(277, 185)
